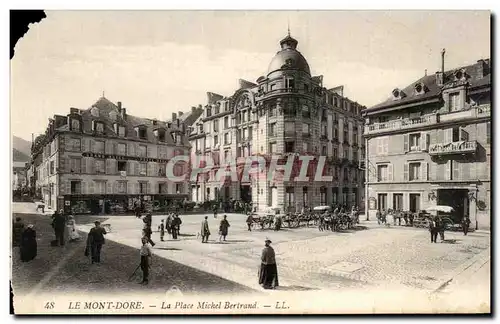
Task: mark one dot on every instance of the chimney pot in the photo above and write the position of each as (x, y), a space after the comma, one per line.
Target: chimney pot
(124, 113)
(193, 109)
(119, 104)
(73, 110)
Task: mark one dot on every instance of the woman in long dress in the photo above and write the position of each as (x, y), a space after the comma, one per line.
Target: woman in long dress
(223, 228)
(268, 274)
(28, 244)
(72, 233)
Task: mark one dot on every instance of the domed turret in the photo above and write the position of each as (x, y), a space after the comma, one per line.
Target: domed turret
(288, 57)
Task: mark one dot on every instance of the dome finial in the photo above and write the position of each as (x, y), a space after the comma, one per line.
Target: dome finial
(288, 27)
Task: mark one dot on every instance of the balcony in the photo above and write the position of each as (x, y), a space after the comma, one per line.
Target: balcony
(461, 147)
(401, 124)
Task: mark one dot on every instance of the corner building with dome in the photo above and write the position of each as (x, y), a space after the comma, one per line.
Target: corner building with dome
(288, 111)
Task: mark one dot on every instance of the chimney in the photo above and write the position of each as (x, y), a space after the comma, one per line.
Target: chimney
(180, 113)
(483, 68)
(193, 109)
(124, 113)
(443, 52)
(119, 104)
(174, 116)
(73, 111)
(439, 78)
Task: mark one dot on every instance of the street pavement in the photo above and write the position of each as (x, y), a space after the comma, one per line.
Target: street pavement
(369, 256)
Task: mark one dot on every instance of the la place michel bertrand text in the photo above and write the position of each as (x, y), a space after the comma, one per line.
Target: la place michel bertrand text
(100, 305)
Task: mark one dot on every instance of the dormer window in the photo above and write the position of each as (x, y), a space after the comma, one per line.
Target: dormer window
(200, 128)
(141, 132)
(460, 75)
(160, 134)
(98, 127)
(420, 88)
(75, 125)
(120, 130)
(209, 111)
(290, 83)
(94, 111)
(398, 94)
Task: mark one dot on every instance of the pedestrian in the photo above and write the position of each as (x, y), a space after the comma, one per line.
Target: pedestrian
(137, 210)
(379, 216)
(148, 220)
(205, 230)
(223, 228)
(215, 210)
(28, 244)
(433, 230)
(412, 217)
(17, 231)
(72, 233)
(169, 224)
(146, 255)
(162, 230)
(440, 228)
(465, 224)
(249, 222)
(95, 241)
(59, 226)
(176, 226)
(268, 274)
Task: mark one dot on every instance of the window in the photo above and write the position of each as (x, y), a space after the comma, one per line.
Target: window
(100, 187)
(121, 187)
(250, 130)
(216, 140)
(354, 139)
(346, 174)
(226, 122)
(335, 101)
(142, 132)
(382, 172)
(161, 135)
(76, 187)
(414, 202)
(414, 171)
(488, 133)
(74, 144)
(414, 142)
(346, 136)
(226, 155)
(100, 166)
(142, 151)
(75, 124)
(122, 166)
(272, 129)
(52, 167)
(455, 134)
(355, 156)
(290, 83)
(75, 165)
(226, 138)
(143, 167)
(161, 169)
(335, 134)
(346, 154)
(397, 202)
(215, 125)
(454, 101)
(121, 131)
(98, 127)
(178, 138)
(382, 201)
(272, 148)
(99, 147)
(324, 131)
(305, 146)
(179, 188)
(272, 111)
(324, 150)
(383, 146)
(289, 197)
(305, 111)
(289, 127)
(289, 147)
(121, 149)
(305, 129)
(143, 187)
(162, 188)
(209, 111)
(335, 153)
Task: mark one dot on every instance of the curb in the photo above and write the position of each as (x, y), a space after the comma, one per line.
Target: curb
(445, 280)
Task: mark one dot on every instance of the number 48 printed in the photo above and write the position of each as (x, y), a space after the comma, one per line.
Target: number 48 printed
(49, 305)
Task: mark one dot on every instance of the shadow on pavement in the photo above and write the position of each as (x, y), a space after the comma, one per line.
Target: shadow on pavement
(167, 249)
(187, 235)
(453, 241)
(90, 219)
(294, 288)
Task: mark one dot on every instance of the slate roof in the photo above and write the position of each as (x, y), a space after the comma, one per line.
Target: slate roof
(107, 109)
(434, 90)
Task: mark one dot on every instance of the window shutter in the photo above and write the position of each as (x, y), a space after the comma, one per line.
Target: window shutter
(456, 170)
(136, 167)
(131, 149)
(68, 187)
(390, 173)
(465, 171)
(424, 143)
(136, 148)
(114, 166)
(109, 187)
(149, 150)
(149, 169)
(148, 188)
(448, 135)
(130, 168)
(115, 187)
(91, 145)
(424, 171)
(107, 147)
(91, 187)
(447, 173)
(115, 148)
(406, 144)
(130, 188)
(440, 136)
(379, 146)
(137, 188)
(108, 166)
(83, 187)
(386, 145)
(66, 164)
(406, 172)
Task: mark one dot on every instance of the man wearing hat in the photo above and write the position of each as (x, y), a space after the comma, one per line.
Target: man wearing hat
(205, 230)
(268, 274)
(95, 240)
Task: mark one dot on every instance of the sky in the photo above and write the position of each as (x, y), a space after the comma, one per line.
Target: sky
(160, 62)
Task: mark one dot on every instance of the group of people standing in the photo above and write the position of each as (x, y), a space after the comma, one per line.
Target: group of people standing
(223, 229)
(24, 237)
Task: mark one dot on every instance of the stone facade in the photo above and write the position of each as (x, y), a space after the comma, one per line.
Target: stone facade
(287, 111)
(430, 144)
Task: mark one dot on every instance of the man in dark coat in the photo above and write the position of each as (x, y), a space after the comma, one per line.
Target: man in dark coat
(205, 230)
(176, 226)
(223, 228)
(59, 226)
(268, 274)
(95, 241)
(17, 231)
(249, 222)
(28, 244)
(440, 227)
(148, 221)
(465, 224)
(433, 229)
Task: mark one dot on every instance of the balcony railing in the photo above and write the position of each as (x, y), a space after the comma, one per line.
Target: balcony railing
(453, 148)
(407, 123)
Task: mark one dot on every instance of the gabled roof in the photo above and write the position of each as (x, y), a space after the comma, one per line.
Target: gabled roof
(475, 80)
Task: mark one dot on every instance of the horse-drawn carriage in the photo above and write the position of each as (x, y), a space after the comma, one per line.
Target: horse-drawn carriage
(329, 220)
(264, 219)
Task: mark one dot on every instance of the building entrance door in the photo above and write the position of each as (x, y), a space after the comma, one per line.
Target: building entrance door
(456, 198)
(246, 193)
(414, 203)
(382, 202)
